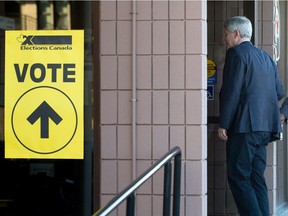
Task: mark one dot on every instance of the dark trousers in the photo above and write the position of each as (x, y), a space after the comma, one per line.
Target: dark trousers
(246, 163)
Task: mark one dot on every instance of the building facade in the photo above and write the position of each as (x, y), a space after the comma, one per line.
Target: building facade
(147, 90)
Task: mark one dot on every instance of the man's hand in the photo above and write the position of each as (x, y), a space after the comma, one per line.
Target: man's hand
(222, 133)
(282, 118)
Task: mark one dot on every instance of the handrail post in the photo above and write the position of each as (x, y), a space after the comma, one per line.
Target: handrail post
(167, 189)
(130, 207)
(177, 185)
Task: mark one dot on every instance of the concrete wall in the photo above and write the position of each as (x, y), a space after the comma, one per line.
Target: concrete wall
(171, 39)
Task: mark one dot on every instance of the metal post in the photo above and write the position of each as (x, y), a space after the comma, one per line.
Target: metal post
(177, 185)
(167, 189)
(130, 207)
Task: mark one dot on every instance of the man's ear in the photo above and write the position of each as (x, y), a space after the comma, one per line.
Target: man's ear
(237, 33)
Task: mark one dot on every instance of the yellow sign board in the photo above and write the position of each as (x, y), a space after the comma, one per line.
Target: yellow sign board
(211, 68)
(44, 94)
(211, 72)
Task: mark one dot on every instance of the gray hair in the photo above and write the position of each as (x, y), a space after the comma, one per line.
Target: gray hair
(240, 23)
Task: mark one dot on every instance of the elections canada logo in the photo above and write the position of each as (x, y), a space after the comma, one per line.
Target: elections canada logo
(45, 42)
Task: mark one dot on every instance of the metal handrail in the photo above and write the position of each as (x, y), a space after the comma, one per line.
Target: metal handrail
(129, 192)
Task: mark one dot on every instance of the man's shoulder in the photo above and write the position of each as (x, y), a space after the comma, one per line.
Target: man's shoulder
(239, 50)
(247, 48)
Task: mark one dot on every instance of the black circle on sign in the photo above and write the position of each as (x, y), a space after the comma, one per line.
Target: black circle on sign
(51, 152)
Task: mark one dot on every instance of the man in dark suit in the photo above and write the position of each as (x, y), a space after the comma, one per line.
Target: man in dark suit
(249, 115)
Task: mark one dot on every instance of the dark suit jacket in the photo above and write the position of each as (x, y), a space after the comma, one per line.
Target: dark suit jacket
(250, 91)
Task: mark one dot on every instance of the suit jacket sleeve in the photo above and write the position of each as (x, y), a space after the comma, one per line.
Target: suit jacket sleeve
(279, 87)
(233, 75)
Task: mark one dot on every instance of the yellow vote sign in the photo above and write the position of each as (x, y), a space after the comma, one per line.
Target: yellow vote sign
(44, 75)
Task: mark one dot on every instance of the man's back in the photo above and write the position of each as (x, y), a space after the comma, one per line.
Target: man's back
(250, 92)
